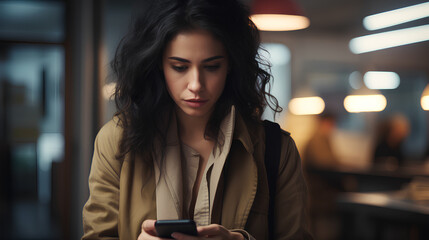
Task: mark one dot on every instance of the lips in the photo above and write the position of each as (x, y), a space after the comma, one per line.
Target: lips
(195, 103)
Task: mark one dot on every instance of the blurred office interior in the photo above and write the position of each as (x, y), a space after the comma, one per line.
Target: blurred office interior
(55, 88)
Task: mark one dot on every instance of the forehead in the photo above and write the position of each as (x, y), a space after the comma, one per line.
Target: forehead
(194, 43)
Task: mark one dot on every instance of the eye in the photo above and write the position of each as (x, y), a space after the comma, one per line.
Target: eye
(179, 68)
(212, 68)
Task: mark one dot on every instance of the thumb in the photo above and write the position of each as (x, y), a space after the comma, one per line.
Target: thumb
(148, 226)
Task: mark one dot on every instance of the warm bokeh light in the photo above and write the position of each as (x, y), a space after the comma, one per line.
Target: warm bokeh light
(280, 22)
(425, 98)
(108, 90)
(389, 39)
(395, 17)
(381, 80)
(306, 105)
(425, 103)
(365, 103)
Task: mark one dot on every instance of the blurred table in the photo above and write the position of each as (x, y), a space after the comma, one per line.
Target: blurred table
(373, 178)
(364, 203)
(383, 215)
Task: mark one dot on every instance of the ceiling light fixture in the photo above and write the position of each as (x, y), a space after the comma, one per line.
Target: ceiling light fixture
(395, 17)
(381, 80)
(306, 105)
(365, 103)
(365, 100)
(389, 39)
(278, 15)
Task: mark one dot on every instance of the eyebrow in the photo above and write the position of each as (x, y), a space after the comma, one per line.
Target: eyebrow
(204, 61)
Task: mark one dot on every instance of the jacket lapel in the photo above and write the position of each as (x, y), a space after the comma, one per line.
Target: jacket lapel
(241, 179)
(169, 187)
(227, 128)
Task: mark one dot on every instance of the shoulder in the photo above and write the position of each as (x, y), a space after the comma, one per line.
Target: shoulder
(290, 159)
(272, 129)
(110, 131)
(289, 155)
(287, 140)
(109, 136)
(104, 161)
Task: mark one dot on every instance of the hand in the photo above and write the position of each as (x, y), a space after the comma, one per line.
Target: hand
(148, 231)
(213, 231)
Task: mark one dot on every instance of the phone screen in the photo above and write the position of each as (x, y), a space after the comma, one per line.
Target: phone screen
(165, 228)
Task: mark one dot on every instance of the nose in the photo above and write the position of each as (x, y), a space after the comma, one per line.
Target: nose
(196, 81)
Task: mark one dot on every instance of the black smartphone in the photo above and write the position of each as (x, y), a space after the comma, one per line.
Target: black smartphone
(165, 228)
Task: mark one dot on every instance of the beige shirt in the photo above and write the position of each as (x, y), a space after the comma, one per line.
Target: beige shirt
(203, 204)
(201, 210)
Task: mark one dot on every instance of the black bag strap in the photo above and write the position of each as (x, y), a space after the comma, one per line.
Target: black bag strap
(272, 159)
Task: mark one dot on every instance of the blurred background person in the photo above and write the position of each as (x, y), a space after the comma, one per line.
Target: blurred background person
(391, 133)
(319, 151)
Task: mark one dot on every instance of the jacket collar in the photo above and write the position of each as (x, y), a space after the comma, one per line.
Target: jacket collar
(242, 134)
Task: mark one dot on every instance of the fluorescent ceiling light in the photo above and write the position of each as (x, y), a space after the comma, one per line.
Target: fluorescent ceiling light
(395, 17)
(390, 39)
(306, 105)
(381, 80)
(365, 103)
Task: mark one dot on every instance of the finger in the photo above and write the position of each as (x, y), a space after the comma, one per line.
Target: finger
(181, 236)
(212, 230)
(148, 226)
(145, 236)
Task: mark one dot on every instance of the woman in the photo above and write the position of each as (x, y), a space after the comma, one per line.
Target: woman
(187, 141)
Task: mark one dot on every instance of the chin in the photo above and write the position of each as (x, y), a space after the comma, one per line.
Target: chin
(196, 113)
(191, 112)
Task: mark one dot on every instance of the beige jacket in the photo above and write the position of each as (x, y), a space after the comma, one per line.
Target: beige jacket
(123, 194)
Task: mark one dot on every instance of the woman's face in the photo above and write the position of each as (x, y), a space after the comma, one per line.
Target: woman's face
(195, 66)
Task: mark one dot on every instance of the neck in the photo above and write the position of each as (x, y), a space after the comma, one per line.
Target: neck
(191, 127)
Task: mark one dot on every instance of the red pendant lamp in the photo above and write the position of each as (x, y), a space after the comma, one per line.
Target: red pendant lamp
(278, 15)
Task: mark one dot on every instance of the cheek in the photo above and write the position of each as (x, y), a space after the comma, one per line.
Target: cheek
(173, 88)
(170, 83)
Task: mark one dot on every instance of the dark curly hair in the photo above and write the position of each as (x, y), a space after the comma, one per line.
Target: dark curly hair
(141, 96)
